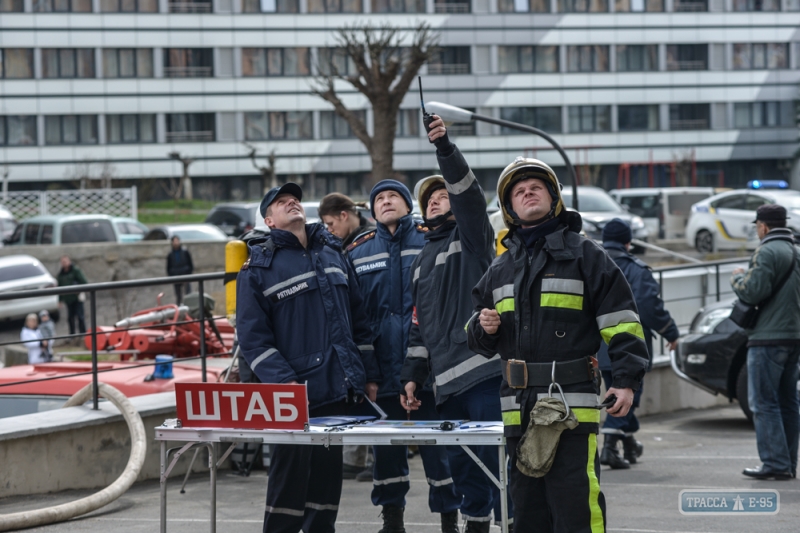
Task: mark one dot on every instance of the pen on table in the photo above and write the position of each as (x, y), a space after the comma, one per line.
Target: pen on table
(408, 413)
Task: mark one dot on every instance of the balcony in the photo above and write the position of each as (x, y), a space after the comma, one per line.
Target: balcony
(188, 72)
(448, 68)
(688, 124)
(451, 7)
(189, 136)
(190, 7)
(691, 6)
(696, 64)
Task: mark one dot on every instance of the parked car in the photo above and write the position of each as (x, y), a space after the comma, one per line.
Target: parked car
(132, 380)
(7, 223)
(21, 273)
(665, 210)
(186, 233)
(130, 229)
(64, 229)
(725, 221)
(234, 218)
(713, 355)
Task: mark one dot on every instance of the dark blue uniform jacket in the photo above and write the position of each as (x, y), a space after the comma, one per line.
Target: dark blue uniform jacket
(645, 292)
(382, 263)
(300, 316)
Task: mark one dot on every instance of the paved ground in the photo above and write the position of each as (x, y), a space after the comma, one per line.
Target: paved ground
(691, 449)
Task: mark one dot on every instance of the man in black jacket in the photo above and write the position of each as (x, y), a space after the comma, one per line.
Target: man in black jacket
(545, 306)
(459, 248)
(179, 263)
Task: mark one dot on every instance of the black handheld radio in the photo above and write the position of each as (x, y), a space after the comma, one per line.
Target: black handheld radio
(427, 118)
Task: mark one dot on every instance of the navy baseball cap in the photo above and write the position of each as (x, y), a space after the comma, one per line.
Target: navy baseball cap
(288, 188)
(618, 231)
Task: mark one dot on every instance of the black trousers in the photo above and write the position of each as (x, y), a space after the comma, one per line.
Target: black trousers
(181, 289)
(75, 314)
(304, 484)
(568, 498)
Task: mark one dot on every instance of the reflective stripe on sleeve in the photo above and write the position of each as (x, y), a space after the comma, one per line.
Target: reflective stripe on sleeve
(409, 252)
(262, 357)
(461, 185)
(336, 270)
(617, 317)
(500, 293)
(633, 328)
(564, 301)
(366, 347)
(568, 286)
(419, 352)
(504, 306)
(466, 326)
(375, 257)
(290, 281)
(454, 248)
(416, 274)
(442, 483)
(463, 368)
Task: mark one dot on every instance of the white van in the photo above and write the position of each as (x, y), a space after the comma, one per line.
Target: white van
(665, 210)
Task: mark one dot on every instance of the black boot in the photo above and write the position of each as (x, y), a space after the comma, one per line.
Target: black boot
(477, 527)
(392, 520)
(632, 448)
(450, 522)
(610, 454)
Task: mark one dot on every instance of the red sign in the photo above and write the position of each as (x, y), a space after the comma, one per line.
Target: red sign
(242, 405)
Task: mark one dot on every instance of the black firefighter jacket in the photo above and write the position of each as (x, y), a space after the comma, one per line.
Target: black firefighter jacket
(557, 304)
(452, 261)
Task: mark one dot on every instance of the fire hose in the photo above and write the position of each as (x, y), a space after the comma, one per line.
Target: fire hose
(66, 511)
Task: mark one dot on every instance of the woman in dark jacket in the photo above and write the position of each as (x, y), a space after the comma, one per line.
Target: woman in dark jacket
(342, 217)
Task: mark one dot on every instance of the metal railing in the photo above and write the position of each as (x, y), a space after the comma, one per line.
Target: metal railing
(188, 72)
(695, 64)
(451, 7)
(190, 7)
(448, 68)
(690, 6)
(189, 136)
(91, 289)
(689, 124)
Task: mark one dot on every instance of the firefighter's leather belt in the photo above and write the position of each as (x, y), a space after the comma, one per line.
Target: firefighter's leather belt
(520, 374)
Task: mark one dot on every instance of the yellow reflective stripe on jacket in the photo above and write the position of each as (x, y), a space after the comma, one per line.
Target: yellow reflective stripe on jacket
(587, 415)
(634, 328)
(505, 305)
(597, 520)
(511, 418)
(565, 301)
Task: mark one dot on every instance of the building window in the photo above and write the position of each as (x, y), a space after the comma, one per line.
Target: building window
(70, 129)
(408, 123)
(190, 127)
(188, 62)
(261, 126)
(635, 6)
(527, 59)
(582, 6)
(68, 63)
(587, 58)
(589, 118)
(523, 6)
(451, 6)
(18, 131)
(12, 6)
(690, 5)
(763, 115)
(398, 6)
(62, 6)
(689, 116)
(450, 60)
(792, 5)
(16, 63)
(756, 5)
(332, 126)
(129, 6)
(547, 119)
(637, 117)
(637, 58)
(191, 6)
(339, 59)
(276, 62)
(123, 129)
(271, 6)
(334, 6)
(760, 56)
(687, 57)
(128, 63)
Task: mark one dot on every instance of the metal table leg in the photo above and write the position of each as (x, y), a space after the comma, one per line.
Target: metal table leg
(163, 479)
(501, 451)
(212, 466)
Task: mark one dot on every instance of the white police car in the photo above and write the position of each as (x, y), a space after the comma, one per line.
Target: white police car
(725, 221)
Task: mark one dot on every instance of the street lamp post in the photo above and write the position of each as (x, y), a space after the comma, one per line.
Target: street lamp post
(456, 114)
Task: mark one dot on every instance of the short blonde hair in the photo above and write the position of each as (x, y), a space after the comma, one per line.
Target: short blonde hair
(33, 316)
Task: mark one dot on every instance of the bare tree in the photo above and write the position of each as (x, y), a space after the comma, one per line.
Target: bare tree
(269, 179)
(89, 174)
(186, 162)
(173, 187)
(384, 71)
(6, 173)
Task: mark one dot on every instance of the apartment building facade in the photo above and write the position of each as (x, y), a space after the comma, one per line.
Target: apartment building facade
(114, 86)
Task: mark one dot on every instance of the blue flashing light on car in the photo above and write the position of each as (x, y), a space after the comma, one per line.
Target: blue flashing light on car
(767, 184)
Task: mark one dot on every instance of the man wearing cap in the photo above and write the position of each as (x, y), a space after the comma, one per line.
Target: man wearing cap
(617, 237)
(300, 319)
(459, 248)
(772, 282)
(545, 306)
(382, 260)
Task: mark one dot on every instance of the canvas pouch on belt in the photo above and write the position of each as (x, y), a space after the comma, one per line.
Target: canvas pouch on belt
(537, 448)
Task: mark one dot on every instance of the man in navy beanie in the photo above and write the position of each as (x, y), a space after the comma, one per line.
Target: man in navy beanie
(617, 242)
(382, 260)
